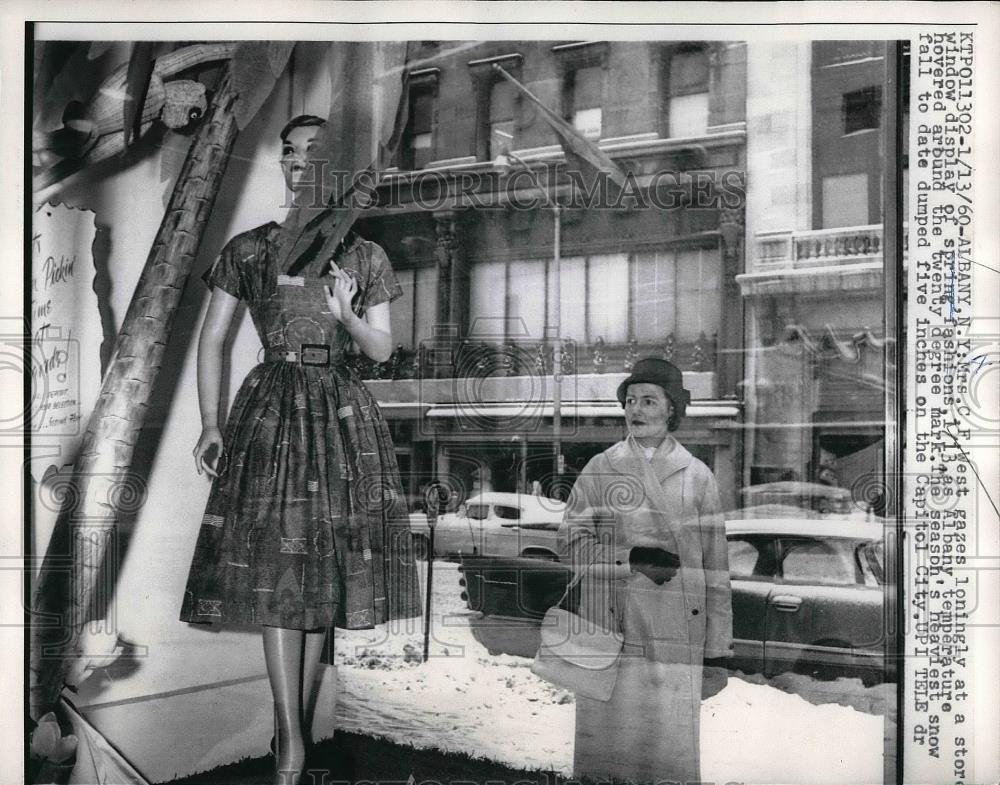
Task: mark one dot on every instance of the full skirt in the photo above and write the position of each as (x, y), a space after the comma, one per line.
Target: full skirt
(306, 526)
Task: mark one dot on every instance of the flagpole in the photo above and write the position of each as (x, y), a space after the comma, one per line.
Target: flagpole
(554, 327)
(557, 347)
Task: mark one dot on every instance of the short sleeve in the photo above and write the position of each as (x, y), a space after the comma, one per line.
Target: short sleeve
(225, 272)
(381, 285)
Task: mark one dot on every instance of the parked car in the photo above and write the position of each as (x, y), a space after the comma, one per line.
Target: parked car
(823, 499)
(494, 524)
(808, 595)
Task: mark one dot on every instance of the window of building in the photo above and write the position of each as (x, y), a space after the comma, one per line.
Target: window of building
(687, 87)
(412, 315)
(573, 297)
(676, 293)
(611, 296)
(496, 104)
(845, 200)
(503, 100)
(489, 295)
(417, 147)
(607, 306)
(526, 297)
(585, 87)
(861, 109)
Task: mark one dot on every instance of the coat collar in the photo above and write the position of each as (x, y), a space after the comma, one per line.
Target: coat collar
(670, 457)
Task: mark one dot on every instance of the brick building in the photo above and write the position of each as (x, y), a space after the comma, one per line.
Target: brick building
(469, 391)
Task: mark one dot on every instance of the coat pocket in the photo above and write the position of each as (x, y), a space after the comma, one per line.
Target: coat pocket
(655, 619)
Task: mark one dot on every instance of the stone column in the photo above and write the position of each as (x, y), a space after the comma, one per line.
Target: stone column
(444, 230)
(729, 365)
(453, 274)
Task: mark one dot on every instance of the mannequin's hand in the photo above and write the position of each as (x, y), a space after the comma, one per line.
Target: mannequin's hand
(209, 447)
(340, 291)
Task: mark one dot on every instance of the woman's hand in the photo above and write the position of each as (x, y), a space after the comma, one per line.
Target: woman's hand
(657, 564)
(209, 444)
(339, 293)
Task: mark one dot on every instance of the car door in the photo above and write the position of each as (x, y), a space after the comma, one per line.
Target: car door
(824, 614)
(464, 534)
(751, 574)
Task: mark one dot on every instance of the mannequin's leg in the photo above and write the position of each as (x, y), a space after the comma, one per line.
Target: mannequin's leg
(283, 650)
(310, 665)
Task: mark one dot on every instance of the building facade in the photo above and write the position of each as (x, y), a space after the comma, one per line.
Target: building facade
(470, 390)
(770, 302)
(814, 285)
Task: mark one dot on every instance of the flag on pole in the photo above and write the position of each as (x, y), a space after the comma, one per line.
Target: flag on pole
(368, 111)
(582, 154)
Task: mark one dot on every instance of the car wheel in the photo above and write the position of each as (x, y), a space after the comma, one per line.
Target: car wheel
(421, 546)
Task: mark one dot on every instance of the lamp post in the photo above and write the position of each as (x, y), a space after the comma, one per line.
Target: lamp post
(554, 325)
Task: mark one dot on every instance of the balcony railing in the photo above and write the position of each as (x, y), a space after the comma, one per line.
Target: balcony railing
(787, 250)
(819, 247)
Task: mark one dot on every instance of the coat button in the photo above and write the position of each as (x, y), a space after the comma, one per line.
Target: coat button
(694, 612)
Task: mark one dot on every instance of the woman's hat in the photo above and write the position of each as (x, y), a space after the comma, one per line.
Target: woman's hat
(653, 370)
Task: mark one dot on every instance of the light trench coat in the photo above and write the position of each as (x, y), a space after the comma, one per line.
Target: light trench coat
(649, 730)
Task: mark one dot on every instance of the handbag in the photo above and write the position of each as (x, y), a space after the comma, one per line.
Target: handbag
(575, 653)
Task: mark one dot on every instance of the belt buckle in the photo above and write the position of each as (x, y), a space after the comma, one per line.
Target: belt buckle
(314, 354)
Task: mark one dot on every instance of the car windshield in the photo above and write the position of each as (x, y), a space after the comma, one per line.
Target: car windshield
(871, 557)
(478, 512)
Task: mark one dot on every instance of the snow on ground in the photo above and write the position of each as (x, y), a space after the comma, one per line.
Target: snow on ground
(465, 700)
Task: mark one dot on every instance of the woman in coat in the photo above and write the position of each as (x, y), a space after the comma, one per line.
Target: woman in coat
(644, 533)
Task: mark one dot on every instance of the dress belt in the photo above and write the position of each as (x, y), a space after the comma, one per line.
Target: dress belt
(309, 354)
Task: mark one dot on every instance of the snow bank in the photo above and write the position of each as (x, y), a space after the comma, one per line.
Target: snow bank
(465, 700)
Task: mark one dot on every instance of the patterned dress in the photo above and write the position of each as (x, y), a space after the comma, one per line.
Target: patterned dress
(306, 526)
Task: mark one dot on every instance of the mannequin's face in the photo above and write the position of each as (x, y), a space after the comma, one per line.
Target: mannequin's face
(647, 411)
(295, 151)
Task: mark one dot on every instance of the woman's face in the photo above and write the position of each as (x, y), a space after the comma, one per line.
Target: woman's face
(647, 411)
(295, 151)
